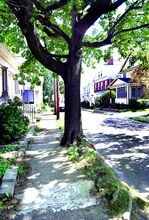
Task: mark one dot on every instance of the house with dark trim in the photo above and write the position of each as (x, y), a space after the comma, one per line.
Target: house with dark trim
(101, 85)
(126, 89)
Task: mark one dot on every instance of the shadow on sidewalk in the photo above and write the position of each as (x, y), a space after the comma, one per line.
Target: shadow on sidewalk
(128, 155)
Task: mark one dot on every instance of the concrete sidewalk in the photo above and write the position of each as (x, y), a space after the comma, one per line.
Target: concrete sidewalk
(56, 188)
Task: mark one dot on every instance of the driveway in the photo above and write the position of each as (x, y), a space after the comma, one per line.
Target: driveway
(123, 143)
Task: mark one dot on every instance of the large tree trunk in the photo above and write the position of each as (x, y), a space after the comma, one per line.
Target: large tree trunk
(73, 124)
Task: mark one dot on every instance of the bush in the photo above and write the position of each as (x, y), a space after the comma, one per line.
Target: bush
(104, 100)
(144, 102)
(13, 124)
(98, 103)
(44, 107)
(119, 106)
(135, 104)
(85, 104)
(73, 153)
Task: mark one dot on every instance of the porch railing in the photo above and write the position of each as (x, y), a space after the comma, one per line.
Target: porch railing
(29, 111)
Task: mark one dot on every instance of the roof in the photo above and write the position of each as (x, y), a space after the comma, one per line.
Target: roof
(127, 80)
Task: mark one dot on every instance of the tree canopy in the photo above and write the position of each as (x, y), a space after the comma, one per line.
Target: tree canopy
(48, 88)
(60, 33)
(122, 24)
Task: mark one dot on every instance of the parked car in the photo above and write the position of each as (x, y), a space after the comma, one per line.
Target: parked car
(61, 104)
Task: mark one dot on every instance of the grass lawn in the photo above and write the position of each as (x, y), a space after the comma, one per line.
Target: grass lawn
(144, 118)
(60, 124)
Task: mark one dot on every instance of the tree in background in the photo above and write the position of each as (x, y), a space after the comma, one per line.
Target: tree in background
(48, 88)
(141, 75)
(103, 101)
(56, 34)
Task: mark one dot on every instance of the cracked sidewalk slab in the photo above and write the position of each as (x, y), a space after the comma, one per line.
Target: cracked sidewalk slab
(56, 187)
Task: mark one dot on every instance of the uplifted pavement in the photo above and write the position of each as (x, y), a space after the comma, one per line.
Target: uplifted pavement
(56, 188)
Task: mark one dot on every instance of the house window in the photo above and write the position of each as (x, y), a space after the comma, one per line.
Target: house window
(110, 62)
(121, 92)
(95, 87)
(103, 85)
(99, 86)
(28, 96)
(136, 92)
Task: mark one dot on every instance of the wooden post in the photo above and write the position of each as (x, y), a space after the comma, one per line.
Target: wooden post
(57, 92)
(56, 97)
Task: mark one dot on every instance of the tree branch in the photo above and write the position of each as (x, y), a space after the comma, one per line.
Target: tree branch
(55, 28)
(50, 33)
(59, 56)
(98, 8)
(98, 44)
(108, 40)
(56, 5)
(39, 6)
(124, 64)
(41, 54)
(131, 7)
(131, 29)
(23, 14)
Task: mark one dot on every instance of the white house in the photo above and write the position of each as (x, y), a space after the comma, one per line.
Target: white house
(96, 81)
(9, 87)
(88, 93)
(126, 89)
(8, 68)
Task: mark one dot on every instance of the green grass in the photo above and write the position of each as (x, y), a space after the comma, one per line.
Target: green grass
(60, 124)
(37, 129)
(105, 180)
(8, 148)
(4, 164)
(144, 118)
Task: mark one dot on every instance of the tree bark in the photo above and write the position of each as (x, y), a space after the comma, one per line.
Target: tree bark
(73, 123)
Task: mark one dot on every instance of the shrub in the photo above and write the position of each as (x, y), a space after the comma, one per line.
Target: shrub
(98, 102)
(73, 153)
(92, 106)
(44, 107)
(144, 102)
(85, 104)
(136, 104)
(119, 106)
(13, 124)
(104, 100)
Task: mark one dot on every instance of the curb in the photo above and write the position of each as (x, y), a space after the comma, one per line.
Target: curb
(10, 177)
(131, 193)
(27, 139)
(9, 181)
(127, 214)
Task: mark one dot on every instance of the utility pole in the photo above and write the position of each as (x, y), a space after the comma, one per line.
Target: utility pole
(56, 97)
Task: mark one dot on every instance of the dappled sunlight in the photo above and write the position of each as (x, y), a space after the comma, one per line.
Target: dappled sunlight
(128, 156)
(124, 145)
(128, 124)
(33, 176)
(30, 195)
(54, 181)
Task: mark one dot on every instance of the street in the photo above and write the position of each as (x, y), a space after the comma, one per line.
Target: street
(123, 143)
